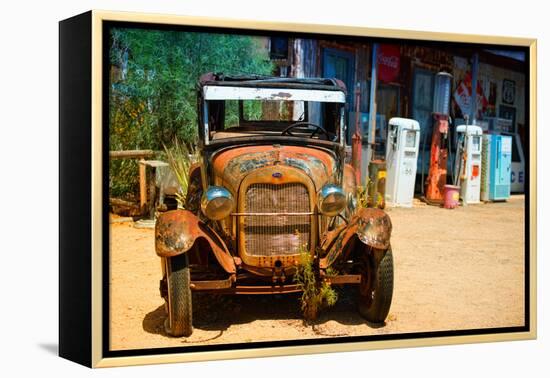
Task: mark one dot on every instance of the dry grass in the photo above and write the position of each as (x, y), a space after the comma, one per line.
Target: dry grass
(180, 158)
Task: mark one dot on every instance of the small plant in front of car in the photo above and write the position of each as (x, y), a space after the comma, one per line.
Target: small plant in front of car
(180, 157)
(367, 196)
(362, 196)
(316, 294)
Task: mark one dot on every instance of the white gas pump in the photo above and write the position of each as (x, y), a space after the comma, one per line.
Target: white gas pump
(470, 139)
(401, 156)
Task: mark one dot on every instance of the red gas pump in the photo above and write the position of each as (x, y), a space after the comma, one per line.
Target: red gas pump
(439, 151)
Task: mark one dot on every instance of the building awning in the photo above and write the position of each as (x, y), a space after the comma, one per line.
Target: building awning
(517, 55)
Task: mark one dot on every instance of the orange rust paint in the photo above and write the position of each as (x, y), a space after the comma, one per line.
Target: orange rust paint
(350, 181)
(177, 231)
(231, 166)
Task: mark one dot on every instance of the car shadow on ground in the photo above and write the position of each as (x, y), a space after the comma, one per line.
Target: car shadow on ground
(153, 323)
(344, 312)
(213, 312)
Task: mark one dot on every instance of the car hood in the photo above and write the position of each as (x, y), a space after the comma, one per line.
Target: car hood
(231, 166)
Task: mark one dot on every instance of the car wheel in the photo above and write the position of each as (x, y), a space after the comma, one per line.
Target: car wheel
(376, 288)
(180, 309)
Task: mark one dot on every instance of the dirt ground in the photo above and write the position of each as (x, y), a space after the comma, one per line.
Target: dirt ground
(454, 269)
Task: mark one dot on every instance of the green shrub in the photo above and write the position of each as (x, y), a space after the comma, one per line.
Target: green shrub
(152, 91)
(362, 196)
(124, 178)
(315, 295)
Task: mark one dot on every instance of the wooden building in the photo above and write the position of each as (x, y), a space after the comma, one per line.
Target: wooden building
(405, 85)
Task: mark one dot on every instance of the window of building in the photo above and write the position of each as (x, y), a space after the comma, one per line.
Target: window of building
(278, 48)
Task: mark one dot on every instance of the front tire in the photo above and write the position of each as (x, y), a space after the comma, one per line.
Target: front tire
(179, 300)
(376, 288)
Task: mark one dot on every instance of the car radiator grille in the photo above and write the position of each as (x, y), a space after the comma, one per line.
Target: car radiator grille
(276, 235)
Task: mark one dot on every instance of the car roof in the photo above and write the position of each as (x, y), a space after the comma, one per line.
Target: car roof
(259, 81)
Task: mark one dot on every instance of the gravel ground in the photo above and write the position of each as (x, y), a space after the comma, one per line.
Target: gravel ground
(454, 269)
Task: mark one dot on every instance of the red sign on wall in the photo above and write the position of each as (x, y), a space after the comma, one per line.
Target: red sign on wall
(463, 95)
(388, 63)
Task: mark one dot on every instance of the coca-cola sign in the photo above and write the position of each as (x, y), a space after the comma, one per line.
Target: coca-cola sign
(388, 63)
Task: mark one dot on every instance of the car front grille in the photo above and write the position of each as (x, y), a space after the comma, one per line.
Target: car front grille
(284, 231)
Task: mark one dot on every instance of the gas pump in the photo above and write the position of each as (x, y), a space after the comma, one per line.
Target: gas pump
(401, 156)
(497, 159)
(469, 164)
(439, 151)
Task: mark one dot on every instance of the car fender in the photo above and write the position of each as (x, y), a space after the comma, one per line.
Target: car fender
(372, 227)
(177, 231)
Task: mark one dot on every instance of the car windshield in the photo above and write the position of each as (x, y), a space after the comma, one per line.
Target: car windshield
(264, 111)
(246, 116)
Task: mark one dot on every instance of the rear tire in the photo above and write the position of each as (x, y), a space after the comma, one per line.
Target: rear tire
(180, 309)
(376, 288)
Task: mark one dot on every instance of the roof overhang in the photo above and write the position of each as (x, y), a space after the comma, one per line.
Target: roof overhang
(212, 92)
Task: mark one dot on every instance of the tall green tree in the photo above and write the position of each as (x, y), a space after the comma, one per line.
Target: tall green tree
(153, 83)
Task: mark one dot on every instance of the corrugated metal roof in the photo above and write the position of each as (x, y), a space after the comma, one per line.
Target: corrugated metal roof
(517, 55)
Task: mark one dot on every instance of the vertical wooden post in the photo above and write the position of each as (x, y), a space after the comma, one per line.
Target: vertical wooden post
(142, 186)
(152, 192)
(473, 98)
(356, 139)
(372, 105)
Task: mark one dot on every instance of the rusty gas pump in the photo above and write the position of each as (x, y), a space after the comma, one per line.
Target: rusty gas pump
(439, 149)
(439, 152)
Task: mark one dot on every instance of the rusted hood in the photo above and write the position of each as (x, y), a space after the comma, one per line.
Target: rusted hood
(231, 166)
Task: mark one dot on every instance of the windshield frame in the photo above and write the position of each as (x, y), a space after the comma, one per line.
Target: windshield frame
(223, 93)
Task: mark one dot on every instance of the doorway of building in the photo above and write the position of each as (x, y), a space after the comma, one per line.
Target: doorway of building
(340, 64)
(423, 93)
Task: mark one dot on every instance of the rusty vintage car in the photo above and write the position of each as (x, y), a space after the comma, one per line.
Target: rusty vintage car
(271, 181)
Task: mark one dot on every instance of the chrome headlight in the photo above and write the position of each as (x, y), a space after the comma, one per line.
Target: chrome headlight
(331, 200)
(217, 203)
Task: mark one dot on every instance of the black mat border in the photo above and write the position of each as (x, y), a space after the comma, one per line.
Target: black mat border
(107, 25)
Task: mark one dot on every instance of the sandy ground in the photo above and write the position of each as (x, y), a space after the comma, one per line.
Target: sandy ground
(454, 269)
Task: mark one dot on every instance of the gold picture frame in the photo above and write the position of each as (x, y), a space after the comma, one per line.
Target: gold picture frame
(91, 26)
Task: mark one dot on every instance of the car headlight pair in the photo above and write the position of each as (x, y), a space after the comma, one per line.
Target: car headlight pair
(217, 202)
